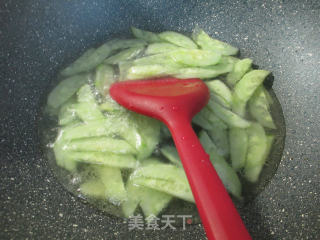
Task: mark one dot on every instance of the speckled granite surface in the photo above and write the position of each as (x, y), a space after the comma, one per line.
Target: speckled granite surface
(38, 37)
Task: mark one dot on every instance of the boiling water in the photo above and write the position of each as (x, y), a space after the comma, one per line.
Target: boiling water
(72, 181)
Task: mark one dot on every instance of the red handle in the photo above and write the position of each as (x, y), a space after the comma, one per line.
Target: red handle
(218, 214)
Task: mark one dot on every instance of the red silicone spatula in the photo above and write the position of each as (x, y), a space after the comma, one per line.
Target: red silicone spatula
(175, 102)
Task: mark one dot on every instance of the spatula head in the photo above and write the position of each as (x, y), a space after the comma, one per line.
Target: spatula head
(163, 98)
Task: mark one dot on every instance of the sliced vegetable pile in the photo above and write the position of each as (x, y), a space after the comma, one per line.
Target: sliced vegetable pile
(128, 159)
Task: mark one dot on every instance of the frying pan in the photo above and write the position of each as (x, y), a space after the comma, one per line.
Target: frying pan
(38, 38)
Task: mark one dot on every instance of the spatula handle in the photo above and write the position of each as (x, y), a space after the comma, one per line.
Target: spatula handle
(217, 211)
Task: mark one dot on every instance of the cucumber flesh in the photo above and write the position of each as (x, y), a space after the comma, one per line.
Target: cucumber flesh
(171, 154)
(174, 188)
(101, 144)
(93, 188)
(104, 158)
(153, 202)
(113, 183)
(129, 206)
(67, 113)
(164, 178)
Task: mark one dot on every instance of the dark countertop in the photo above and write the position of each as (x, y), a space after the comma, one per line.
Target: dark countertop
(38, 37)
